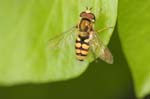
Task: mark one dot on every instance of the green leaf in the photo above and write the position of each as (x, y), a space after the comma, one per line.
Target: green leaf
(134, 32)
(25, 29)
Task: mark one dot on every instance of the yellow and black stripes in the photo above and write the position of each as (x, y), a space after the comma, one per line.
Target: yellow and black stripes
(82, 47)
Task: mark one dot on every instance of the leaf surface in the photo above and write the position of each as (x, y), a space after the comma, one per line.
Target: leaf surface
(25, 29)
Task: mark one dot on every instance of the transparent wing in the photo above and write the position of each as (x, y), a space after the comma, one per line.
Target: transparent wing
(63, 39)
(100, 50)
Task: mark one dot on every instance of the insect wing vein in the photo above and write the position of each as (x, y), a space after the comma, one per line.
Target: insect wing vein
(100, 50)
(63, 39)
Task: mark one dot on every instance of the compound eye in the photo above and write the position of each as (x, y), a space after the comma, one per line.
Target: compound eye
(83, 14)
(90, 16)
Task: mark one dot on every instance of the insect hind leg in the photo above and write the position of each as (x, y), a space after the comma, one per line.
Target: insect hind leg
(94, 56)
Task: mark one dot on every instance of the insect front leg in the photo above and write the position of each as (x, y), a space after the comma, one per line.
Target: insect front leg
(103, 29)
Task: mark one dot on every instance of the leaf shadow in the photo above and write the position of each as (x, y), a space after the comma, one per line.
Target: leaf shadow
(100, 81)
(147, 97)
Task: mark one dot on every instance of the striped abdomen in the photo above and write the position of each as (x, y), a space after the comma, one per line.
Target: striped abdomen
(82, 47)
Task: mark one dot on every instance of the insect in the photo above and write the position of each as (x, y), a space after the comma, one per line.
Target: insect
(87, 39)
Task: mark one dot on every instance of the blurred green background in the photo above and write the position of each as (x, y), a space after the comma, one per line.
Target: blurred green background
(100, 81)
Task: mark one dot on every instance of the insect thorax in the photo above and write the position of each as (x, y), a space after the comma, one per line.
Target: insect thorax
(85, 25)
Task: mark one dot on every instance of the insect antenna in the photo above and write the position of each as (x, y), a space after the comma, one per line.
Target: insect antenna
(89, 8)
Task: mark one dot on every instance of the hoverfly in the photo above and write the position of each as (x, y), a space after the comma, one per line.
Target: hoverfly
(87, 39)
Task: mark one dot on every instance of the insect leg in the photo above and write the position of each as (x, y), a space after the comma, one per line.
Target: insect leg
(93, 54)
(103, 29)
